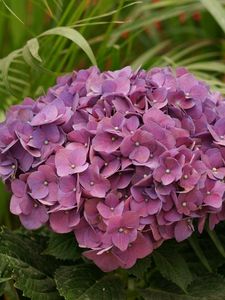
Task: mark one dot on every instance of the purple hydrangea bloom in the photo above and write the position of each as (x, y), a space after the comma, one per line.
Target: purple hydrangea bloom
(124, 159)
(70, 161)
(123, 229)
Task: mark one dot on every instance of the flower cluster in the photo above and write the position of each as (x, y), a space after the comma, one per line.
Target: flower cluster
(125, 160)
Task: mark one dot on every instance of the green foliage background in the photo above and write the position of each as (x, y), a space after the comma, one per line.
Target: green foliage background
(42, 39)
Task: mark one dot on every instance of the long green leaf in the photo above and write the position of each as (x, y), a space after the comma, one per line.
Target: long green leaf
(33, 46)
(142, 59)
(216, 10)
(75, 37)
(5, 66)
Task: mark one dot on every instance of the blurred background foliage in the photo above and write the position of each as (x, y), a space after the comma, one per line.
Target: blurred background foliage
(42, 39)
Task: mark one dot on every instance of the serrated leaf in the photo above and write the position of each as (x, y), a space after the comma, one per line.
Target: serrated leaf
(158, 294)
(86, 282)
(21, 259)
(63, 246)
(209, 287)
(173, 267)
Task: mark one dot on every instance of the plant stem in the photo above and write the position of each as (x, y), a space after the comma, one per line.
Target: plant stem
(10, 291)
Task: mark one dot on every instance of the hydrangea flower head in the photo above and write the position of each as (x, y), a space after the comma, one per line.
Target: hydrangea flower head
(125, 160)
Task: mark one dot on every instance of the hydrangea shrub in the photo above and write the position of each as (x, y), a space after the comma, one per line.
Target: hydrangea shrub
(124, 159)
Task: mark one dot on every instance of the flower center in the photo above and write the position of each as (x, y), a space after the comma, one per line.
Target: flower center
(73, 166)
(116, 128)
(46, 142)
(46, 183)
(113, 139)
(137, 144)
(185, 176)
(184, 204)
(222, 137)
(208, 193)
(112, 208)
(121, 230)
(13, 167)
(214, 169)
(187, 95)
(168, 171)
(92, 183)
(74, 189)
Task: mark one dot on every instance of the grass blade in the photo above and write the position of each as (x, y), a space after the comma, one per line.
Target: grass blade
(75, 37)
(216, 10)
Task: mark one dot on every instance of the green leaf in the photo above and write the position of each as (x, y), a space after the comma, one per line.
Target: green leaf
(21, 259)
(142, 59)
(173, 267)
(216, 10)
(209, 287)
(141, 266)
(199, 253)
(160, 294)
(5, 64)
(75, 37)
(32, 58)
(216, 241)
(2, 288)
(210, 66)
(12, 12)
(33, 46)
(63, 246)
(86, 282)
